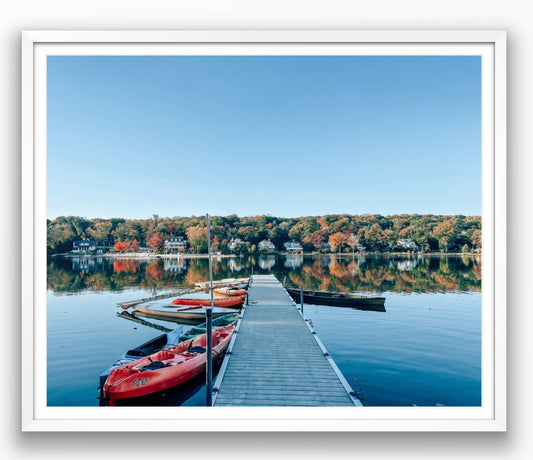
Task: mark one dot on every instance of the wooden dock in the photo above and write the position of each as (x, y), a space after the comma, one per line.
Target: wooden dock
(275, 359)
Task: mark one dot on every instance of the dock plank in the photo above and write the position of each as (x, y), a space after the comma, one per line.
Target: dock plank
(276, 360)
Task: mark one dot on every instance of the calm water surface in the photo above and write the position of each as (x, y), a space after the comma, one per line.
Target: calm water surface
(425, 350)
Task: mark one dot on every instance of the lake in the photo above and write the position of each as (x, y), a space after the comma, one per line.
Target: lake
(424, 350)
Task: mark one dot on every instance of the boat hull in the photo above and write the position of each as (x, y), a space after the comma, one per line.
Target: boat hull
(166, 368)
(190, 313)
(230, 291)
(339, 300)
(221, 321)
(157, 343)
(223, 302)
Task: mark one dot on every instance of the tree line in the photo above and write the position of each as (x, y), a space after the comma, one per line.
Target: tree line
(334, 232)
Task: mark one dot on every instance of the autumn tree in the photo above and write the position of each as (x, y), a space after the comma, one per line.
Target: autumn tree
(157, 242)
(121, 246)
(60, 236)
(318, 238)
(295, 232)
(389, 237)
(444, 232)
(100, 230)
(338, 240)
(476, 239)
(374, 237)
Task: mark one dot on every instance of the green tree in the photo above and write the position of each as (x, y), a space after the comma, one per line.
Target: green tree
(197, 237)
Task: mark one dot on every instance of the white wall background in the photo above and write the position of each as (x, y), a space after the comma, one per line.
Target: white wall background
(511, 15)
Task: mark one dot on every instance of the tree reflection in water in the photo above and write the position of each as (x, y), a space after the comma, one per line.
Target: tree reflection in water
(359, 273)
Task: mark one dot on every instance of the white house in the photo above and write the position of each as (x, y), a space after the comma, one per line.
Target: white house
(407, 244)
(266, 246)
(293, 246)
(233, 243)
(83, 245)
(175, 244)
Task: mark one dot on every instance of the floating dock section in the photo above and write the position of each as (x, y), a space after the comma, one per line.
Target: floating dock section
(275, 359)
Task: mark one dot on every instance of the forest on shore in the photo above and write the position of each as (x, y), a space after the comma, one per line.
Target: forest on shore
(372, 233)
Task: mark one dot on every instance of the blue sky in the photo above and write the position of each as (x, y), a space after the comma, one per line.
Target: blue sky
(282, 135)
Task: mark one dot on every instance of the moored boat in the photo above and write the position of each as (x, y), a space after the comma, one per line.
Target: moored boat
(197, 312)
(223, 302)
(230, 290)
(339, 299)
(224, 282)
(158, 343)
(166, 368)
(221, 321)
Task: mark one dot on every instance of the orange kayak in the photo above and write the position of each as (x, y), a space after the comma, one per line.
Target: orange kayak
(223, 302)
(230, 291)
(166, 368)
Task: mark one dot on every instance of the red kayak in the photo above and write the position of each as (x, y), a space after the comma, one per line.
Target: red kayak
(222, 302)
(166, 368)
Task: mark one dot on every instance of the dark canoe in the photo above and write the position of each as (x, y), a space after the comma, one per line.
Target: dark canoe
(339, 299)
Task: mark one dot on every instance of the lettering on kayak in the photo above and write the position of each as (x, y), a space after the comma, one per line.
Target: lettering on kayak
(140, 381)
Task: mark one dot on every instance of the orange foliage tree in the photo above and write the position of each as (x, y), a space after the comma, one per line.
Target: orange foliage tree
(318, 238)
(121, 246)
(443, 232)
(476, 238)
(157, 241)
(134, 246)
(338, 240)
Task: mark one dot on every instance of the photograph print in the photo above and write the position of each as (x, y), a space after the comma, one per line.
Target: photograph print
(283, 230)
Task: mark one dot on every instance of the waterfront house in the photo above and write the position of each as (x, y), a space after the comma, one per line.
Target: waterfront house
(234, 243)
(266, 246)
(175, 244)
(293, 246)
(407, 244)
(83, 245)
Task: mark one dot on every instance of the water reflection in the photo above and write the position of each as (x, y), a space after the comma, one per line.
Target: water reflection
(235, 265)
(175, 265)
(86, 264)
(421, 273)
(266, 262)
(293, 261)
(408, 265)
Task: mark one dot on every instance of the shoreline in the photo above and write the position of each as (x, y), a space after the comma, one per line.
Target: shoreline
(137, 255)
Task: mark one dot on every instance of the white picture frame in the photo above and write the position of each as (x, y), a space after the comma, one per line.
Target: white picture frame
(36, 416)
